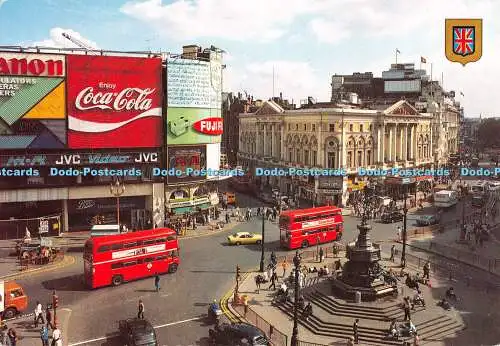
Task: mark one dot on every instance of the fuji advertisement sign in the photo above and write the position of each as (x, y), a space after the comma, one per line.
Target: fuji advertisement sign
(209, 126)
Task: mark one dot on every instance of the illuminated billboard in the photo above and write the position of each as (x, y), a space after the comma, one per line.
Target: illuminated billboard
(32, 101)
(186, 163)
(193, 126)
(114, 102)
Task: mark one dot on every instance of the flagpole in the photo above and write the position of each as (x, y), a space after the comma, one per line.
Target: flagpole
(396, 56)
(432, 85)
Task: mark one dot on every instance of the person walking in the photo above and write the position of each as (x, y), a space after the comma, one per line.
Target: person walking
(274, 261)
(258, 281)
(393, 252)
(407, 309)
(140, 310)
(56, 337)
(38, 314)
(355, 331)
(44, 335)
(48, 318)
(321, 254)
(284, 265)
(157, 282)
(399, 233)
(427, 270)
(274, 279)
(12, 334)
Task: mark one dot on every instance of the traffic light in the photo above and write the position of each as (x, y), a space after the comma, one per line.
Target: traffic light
(238, 273)
(55, 301)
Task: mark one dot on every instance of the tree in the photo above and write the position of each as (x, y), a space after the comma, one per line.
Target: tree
(488, 133)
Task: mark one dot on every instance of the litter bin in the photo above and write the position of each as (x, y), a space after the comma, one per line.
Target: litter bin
(357, 297)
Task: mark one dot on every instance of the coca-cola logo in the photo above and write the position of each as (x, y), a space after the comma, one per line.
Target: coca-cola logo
(127, 99)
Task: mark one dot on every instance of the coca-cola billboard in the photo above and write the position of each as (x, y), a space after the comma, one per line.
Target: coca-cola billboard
(114, 102)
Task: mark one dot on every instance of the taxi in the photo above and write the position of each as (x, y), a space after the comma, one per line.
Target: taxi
(244, 238)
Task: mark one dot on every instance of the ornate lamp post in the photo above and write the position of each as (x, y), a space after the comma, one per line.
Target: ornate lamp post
(405, 212)
(295, 332)
(262, 243)
(117, 189)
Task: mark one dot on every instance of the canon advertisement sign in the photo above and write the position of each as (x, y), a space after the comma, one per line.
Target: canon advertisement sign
(114, 102)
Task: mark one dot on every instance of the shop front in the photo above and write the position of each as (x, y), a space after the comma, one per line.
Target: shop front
(84, 213)
(330, 190)
(40, 217)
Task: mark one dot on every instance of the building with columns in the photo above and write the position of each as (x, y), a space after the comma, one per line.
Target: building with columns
(337, 137)
(419, 90)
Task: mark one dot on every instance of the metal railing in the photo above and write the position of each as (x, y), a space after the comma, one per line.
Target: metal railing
(305, 343)
(472, 277)
(487, 263)
(276, 337)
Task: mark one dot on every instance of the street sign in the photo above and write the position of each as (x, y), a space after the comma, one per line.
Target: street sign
(47, 242)
(44, 226)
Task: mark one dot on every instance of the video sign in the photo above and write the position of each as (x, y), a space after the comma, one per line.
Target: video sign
(185, 163)
(32, 101)
(114, 102)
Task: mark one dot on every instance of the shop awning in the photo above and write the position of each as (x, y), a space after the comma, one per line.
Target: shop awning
(189, 209)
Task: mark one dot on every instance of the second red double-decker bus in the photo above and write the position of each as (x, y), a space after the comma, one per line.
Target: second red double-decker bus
(304, 227)
(114, 259)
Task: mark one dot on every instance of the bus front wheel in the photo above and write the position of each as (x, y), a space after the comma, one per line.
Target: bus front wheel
(9, 313)
(117, 280)
(305, 244)
(172, 268)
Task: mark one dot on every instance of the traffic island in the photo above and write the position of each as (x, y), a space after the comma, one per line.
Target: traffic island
(333, 317)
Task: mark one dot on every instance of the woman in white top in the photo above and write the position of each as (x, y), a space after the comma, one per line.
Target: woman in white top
(56, 337)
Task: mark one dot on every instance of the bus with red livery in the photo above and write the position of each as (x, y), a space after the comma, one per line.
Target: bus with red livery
(301, 228)
(114, 259)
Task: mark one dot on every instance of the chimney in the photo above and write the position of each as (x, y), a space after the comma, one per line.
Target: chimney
(281, 96)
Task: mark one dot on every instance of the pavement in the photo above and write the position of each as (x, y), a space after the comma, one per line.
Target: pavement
(178, 311)
(479, 315)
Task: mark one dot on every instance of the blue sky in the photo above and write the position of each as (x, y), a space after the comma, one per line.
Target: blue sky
(306, 41)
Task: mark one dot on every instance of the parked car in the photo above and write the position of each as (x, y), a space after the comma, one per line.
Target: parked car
(393, 216)
(244, 238)
(237, 334)
(427, 220)
(137, 332)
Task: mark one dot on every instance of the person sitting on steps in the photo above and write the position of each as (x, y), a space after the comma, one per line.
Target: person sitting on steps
(393, 329)
(450, 294)
(308, 311)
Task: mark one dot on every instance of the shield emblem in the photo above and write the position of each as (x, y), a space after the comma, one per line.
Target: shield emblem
(464, 40)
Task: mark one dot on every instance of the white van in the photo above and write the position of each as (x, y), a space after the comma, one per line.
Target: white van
(479, 188)
(445, 198)
(100, 230)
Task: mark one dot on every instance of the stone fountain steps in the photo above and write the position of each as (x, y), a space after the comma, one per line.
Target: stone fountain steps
(335, 307)
(373, 336)
(336, 326)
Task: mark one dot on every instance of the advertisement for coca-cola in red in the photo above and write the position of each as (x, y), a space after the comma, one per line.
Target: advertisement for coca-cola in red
(114, 102)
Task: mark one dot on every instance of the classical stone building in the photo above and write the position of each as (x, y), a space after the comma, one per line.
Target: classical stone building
(337, 137)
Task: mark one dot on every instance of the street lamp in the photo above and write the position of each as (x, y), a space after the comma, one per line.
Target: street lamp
(405, 211)
(262, 243)
(295, 332)
(117, 189)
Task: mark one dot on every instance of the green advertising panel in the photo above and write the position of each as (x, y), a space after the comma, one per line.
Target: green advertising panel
(188, 126)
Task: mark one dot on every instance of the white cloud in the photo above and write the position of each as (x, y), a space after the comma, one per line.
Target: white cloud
(57, 40)
(296, 79)
(2, 2)
(329, 31)
(262, 20)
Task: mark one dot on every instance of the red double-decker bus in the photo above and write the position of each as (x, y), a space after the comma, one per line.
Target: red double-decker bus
(304, 227)
(114, 259)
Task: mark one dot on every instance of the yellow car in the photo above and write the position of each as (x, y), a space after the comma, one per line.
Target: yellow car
(244, 238)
